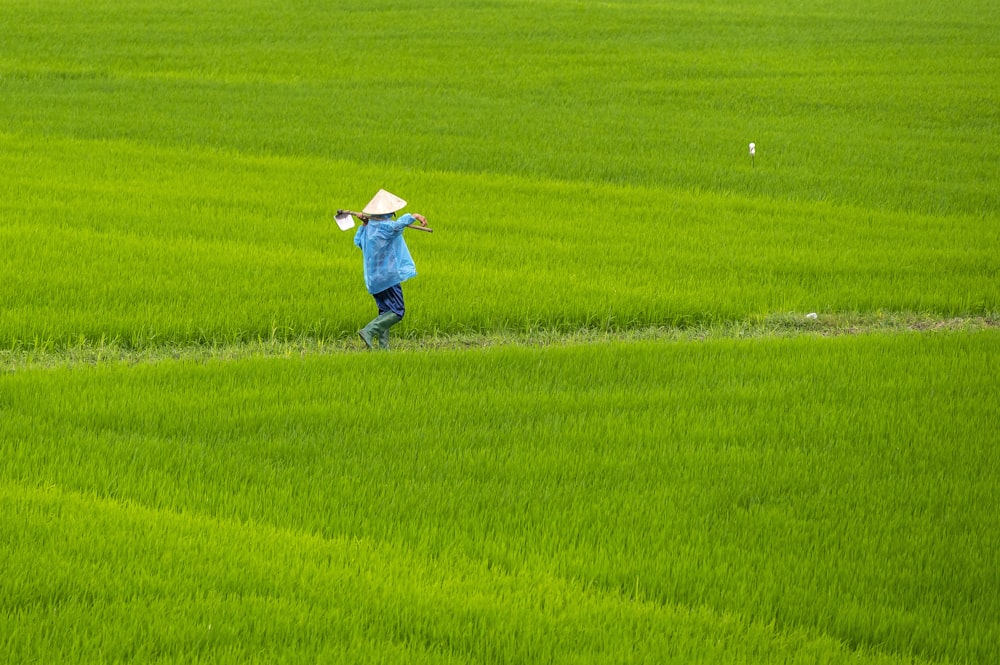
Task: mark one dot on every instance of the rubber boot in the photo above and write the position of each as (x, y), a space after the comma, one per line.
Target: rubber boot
(389, 319)
(378, 329)
(369, 333)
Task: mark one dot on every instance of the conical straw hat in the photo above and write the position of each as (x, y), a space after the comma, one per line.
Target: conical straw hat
(384, 203)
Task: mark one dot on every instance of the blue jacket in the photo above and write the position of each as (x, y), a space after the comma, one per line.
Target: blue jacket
(386, 257)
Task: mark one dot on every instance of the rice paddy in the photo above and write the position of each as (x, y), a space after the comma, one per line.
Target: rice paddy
(607, 432)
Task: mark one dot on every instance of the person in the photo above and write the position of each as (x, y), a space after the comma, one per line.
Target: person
(387, 262)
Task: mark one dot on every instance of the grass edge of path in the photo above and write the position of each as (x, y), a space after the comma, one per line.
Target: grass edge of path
(47, 356)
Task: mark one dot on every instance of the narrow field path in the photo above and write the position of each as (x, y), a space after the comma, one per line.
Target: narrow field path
(774, 326)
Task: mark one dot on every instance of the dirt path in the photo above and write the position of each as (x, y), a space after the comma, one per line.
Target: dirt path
(774, 326)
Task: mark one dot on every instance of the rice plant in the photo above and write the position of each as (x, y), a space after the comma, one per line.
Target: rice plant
(168, 175)
(763, 499)
(609, 433)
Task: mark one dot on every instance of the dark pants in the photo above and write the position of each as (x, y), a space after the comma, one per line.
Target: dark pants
(390, 300)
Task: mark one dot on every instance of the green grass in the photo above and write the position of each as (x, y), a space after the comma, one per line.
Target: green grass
(620, 439)
(884, 104)
(838, 490)
(85, 353)
(169, 172)
(219, 591)
(157, 246)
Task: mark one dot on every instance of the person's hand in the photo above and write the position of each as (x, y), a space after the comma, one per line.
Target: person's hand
(421, 219)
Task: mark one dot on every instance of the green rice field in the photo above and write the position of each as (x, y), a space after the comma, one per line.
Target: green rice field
(608, 431)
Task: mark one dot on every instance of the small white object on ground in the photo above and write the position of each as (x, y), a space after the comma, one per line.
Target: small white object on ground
(811, 315)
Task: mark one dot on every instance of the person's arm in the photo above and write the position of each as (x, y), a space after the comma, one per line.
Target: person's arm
(408, 220)
(413, 217)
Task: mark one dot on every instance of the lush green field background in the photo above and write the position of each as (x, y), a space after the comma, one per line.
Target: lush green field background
(168, 172)
(804, 500)
(168, 175)
(883, 103)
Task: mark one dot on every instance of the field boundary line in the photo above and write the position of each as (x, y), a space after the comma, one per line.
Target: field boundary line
(40, 355)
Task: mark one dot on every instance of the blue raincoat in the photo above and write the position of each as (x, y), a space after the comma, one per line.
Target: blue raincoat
(386, 257)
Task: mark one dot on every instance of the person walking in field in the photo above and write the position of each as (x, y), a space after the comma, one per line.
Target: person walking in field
(387, 262)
